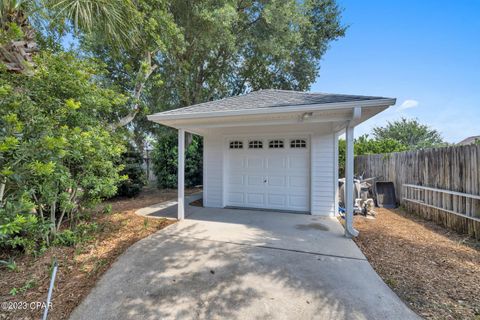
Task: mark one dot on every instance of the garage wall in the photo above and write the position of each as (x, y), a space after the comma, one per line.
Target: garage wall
(322, 174)
(213, 171)
(323, 164)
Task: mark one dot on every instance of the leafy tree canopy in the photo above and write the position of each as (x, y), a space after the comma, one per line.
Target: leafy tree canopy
(365, 145)
(194, 51)
(397, 136)
(410, 133)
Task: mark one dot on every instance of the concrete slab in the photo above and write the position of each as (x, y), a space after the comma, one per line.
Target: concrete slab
(238, 264)
(301, 232)
(168, 209)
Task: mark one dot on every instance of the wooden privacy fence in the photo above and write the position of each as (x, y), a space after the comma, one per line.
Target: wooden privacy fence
(439, 184)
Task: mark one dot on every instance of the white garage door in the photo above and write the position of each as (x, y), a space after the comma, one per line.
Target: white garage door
(270, 173)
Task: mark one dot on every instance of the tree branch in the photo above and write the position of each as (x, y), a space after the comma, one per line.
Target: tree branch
(144, 72)
(2, 189)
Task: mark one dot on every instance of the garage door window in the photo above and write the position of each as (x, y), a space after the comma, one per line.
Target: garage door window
(298, 143)
(255, 144)
(236, 144)
(275, 144)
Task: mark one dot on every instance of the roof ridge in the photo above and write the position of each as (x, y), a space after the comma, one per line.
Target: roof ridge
(315, 92)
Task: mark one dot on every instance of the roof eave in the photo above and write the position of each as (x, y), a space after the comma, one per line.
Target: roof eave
(158, 117)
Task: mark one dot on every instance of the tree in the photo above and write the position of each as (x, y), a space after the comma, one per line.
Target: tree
(410, 133)
(197, 51)
(364, 145)
(165, 164)
(132, 160)
(110, 18)
(17, 37)
(57, 154)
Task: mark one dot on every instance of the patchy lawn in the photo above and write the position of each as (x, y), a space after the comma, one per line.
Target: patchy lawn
(434, 270)
(80, 266)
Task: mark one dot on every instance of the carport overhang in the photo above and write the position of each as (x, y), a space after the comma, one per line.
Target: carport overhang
(341, 117)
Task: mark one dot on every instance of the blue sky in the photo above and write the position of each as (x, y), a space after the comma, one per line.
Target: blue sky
(424, 53)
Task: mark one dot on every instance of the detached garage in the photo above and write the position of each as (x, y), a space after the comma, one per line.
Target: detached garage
(273, 149)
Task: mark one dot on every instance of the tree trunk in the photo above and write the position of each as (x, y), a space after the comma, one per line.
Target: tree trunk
(144, 72)
(17, 55)
(53, 219)
(3, 182)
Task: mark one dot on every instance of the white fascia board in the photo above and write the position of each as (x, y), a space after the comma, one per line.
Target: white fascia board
(285, 109)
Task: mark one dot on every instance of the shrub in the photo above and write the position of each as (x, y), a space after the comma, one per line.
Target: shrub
(132, 160)
(58, 152)
(65, 238)
(81, 233)
(164, 158)
(20, 228)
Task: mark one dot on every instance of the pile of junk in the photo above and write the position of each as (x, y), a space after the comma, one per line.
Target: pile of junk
(368, 194)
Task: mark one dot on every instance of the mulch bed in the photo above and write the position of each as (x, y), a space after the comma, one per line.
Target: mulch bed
(81, 266)
(433, 270)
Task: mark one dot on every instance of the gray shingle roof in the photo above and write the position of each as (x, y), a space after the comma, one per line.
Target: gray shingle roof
(469, 140)
(268, 98)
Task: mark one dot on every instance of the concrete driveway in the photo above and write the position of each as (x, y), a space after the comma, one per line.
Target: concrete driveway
(242, 264)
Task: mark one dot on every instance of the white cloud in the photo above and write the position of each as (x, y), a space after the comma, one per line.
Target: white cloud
(407, 104)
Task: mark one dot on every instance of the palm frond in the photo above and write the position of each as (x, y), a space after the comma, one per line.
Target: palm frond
(112, 18)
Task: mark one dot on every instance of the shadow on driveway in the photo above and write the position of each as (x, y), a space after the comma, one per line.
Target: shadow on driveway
(240, 264)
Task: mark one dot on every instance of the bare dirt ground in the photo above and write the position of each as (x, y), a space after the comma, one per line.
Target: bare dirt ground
(80, 266)
(434, 270)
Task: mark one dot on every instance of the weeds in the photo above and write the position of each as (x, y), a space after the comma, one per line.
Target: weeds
(29, 284)
(83, 232)
(107, 209)
(10, 264)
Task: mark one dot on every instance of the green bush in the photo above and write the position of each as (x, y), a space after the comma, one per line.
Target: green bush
(80, 233)
(132, 160)
(164, 159)
(66, 238)
(58, 152)
(20, 228)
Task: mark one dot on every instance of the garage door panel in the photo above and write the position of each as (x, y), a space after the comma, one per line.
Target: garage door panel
(279, 162)
(255, 180)
(297, 201)
(255, 199)
(255, 163)
(275, 178)
(276, 181)
(277, 200)
(236, 198)
(298, 161)
(298, 182)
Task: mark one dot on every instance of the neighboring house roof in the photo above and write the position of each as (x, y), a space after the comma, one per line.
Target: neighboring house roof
(469, 140)
(271, 100)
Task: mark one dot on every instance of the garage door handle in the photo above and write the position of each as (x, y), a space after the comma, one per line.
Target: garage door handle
(265, 181)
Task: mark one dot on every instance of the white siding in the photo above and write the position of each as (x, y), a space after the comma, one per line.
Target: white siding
(323, 172)
(323, 164)
(213, 171)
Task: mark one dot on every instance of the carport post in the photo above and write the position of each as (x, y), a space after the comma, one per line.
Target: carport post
(181, 174)
(349, 230)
